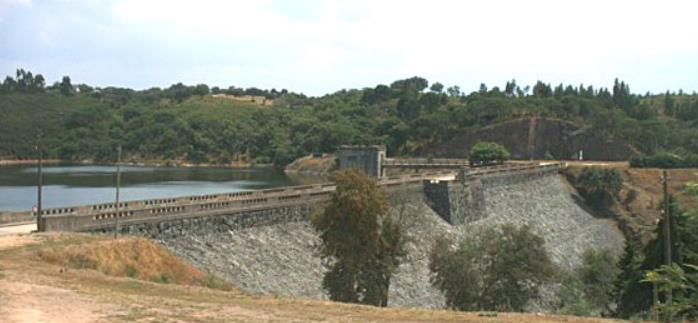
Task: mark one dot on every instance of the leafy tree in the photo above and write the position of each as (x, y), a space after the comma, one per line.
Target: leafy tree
(66, 87)
(669, 107)
(486, 153)
(542, 90)
(453, 91)
(361, 244)
(494, 269)
(626, 289)
(597, 274)
(413, 84)
(622, 97)
(683, 282)
(571, 298)
(437, 87)
(634, 292)
(201, 90)
(483, 88)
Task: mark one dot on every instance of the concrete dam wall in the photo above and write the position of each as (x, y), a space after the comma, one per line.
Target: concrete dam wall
(278, 255)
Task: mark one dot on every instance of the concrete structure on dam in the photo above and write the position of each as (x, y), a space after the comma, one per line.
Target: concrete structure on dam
(372, 161)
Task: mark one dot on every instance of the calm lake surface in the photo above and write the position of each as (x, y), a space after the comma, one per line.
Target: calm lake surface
(67, 185)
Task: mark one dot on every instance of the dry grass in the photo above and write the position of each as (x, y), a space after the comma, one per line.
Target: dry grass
(313, 165)
(641, 197)
(138, 258)
(35, 289)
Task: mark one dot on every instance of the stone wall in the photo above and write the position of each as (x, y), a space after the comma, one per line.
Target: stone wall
(282, 259)
(233, 221)
(463, 200)
(552, 209)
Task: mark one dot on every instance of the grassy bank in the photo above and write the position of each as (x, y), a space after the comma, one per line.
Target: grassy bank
(82, 278)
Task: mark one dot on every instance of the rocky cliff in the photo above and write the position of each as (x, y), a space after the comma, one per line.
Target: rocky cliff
(539, 138)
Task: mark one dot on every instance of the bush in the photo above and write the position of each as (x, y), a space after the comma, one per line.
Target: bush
(599, 185)
(589, 289)
(497, 269)
(487, 153)
(665, 160)
(598, 274)
(691, 188)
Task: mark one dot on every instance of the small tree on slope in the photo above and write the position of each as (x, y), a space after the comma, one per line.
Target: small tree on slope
(362, 246)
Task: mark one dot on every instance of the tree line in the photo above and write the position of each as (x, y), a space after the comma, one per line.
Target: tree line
(407, 115)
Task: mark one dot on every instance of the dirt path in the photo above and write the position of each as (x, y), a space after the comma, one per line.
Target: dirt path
(22, 302)
(17, 229)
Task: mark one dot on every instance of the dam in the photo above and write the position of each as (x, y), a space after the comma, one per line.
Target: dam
(262, 241)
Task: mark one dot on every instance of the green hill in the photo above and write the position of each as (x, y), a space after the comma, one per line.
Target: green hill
(26, 116)
(201, 125)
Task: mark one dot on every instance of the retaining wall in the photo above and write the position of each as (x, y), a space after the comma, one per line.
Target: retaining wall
(463, 200)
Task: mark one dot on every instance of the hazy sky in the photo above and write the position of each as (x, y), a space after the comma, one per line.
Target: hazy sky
(316, 46)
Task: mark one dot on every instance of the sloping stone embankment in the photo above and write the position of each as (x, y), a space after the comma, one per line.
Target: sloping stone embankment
(281, 259)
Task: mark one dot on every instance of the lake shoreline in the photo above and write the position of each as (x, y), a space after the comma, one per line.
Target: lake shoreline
(66, 185)
(163, 164)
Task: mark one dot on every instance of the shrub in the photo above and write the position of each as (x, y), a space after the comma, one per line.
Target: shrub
(599, 185)
(487, 153)
(691, 188)
(665, 160)
(497, 269)
(598, 273)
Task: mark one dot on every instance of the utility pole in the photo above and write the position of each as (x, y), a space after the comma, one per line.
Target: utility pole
(118, 187)
(40, 184)
(667, 228)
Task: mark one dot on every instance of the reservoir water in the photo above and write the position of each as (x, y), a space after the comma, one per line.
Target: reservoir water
(68, 185)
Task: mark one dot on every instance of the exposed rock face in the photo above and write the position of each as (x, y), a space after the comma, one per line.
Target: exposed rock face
(281, 259)
(539, 138)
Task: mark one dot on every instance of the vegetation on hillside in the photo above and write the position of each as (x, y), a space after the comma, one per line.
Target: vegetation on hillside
(599, 186)
(589, 289)
(641, 265)
(185, 123)
(666, 160)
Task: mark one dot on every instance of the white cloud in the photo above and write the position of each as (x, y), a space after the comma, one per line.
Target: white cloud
(318, 44)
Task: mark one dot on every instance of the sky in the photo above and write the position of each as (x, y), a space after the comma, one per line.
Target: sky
(318, 47)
